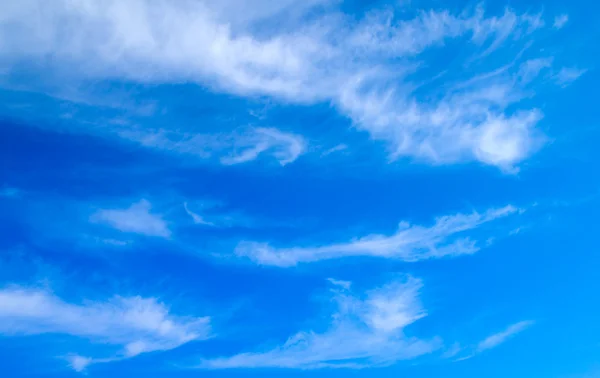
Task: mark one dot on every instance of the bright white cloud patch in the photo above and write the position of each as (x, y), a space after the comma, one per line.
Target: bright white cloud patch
(409, 243)
(366, 330)
(135, 219)
(138, 325)
(364, 68)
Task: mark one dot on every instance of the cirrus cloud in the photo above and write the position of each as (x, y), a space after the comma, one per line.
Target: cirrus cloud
(364, 68)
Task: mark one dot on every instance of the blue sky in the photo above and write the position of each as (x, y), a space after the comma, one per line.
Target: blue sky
(319, 188)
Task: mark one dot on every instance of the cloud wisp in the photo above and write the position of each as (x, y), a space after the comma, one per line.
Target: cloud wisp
(237, 147)
(495, 340)
(364, 67)
(137, 325)
(409, 243)
(500, 337)
(560, 21)
(137, 219)
(196, 218)
(366, 330)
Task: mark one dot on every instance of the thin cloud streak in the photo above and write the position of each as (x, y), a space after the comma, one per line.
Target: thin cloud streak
(500, 337)
(237, 147)
(409, 243)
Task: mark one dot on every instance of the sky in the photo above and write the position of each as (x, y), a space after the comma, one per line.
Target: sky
(318, 188)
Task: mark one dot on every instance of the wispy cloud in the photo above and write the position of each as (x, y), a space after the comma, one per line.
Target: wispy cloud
(198, 219)
(531, 68)
(334, 149)
(560, 21)
(492, 341)
(500, 337)
(285, 147)
(340, 283)
(138, 325)
(409, 243)
(567, 76)
(237, 147)
(363, 67)
(366, 330)
(135, 219)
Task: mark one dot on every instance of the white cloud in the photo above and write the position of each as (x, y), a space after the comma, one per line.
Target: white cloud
(491, 341)
(79, 363)
(560, 21)
(568, 75)
(138, 325)
(342, 284)
(198, 219)
(451, 352)
(500, 337)
(238, 147)
(409, 243)
(336, 148)
(135, 219)
(468, 125)
(366, 330)
(361, 67)
(531, 68)
(284, 147)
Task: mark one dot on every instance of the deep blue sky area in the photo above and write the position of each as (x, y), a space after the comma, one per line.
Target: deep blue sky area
(318, 188)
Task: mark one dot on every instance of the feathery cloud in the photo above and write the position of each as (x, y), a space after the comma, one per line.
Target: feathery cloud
(362, 67)
(366, 330)
(198, 219)
(138, 325)
(500, 337)
(237, 147)
(491, 341)
(409, 243)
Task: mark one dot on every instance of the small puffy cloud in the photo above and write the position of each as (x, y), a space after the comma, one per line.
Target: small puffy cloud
(79, 363)
(138, 325)
(135, 219)
(409, 243)
(560, 21)
(366, 330)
